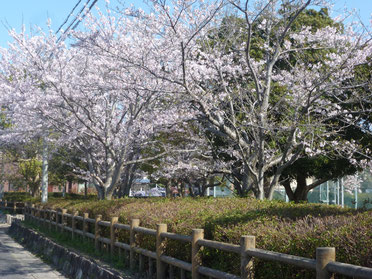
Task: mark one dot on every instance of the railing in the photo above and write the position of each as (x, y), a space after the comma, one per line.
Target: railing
(14, 207)
(324, 264)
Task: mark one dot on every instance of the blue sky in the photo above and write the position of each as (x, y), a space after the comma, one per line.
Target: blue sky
(15, 13)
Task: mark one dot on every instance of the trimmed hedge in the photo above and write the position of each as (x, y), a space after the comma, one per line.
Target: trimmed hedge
(295, 229)
(26, 197)
(18, 196)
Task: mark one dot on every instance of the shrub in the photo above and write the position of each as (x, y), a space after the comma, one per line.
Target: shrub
(17, 196)
(295, 229)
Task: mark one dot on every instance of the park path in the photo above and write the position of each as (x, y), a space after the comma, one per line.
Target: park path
(18, 263)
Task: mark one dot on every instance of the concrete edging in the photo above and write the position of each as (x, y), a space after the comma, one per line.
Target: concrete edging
(69, 263)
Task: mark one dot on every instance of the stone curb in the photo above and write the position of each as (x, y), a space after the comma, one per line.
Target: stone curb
(69, 263)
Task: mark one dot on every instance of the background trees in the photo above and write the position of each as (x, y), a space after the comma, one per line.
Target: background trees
(271, 90)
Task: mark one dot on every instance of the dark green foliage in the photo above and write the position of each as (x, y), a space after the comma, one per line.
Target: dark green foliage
(26, 197)
(17, 196)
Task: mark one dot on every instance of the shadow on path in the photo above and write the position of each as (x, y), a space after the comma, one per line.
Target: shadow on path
(16, 262)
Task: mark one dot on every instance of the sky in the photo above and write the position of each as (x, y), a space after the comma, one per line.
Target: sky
(15, 13)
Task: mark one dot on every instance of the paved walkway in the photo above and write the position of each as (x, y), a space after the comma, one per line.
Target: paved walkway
(17, 263)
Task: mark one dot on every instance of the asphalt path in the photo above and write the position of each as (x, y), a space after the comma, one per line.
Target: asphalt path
(18, 263)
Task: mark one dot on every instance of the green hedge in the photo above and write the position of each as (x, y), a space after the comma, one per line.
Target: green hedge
(26, 197)
(18, 196)
(295, 229)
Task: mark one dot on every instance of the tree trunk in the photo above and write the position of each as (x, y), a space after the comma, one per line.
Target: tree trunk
(108, 196)
(288, 190)
(199, 189)
(86, 189)
(168, 186)
(203, 187)
(126, 181)
(242, 183)
(238, 187)
(182, 189)
(35, 192)
(245, 182)
(191, 190)
(272, 183)
(260, 192)
(301, 191)
(100, 192)
(70, 186)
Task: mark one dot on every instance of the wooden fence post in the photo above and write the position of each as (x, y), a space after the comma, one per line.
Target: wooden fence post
(63, 212)
(24, 211)
(85, 224)
(50, 219)
(43, 214)
(195, 248)
(29, 212)
(32, 213)
(183, 274)
(114, 220)
(56, 225)
(96, 232)
(132, 242)
(38, 215)
(57, 220)
(73, 224)
(160, 245)
(246, 262)
(324, 255)
(151, 268)
(36, 220)
(141, 264)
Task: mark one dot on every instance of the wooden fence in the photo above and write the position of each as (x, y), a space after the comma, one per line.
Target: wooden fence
(13, 207)
(324, 264)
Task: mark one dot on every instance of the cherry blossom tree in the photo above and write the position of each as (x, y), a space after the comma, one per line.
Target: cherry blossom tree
(352, 183)
(255, 86)
(80, 96)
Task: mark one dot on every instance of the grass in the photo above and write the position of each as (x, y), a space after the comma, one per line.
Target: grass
(80, 245)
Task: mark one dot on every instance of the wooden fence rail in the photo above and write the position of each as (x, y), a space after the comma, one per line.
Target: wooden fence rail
(325, 264)
(14, 207)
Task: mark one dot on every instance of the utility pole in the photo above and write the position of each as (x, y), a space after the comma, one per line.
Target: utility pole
(335, 192)
(320, 192)
(356, 196)
(2, 180)
(342, 192)
(44, 180)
